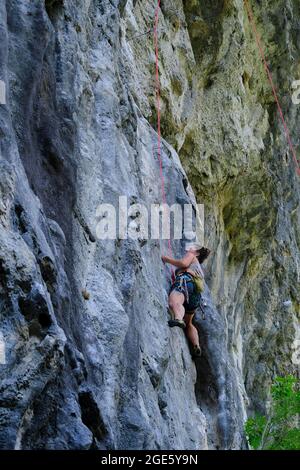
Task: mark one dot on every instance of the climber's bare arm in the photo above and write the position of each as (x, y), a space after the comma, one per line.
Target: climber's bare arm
(182, 263)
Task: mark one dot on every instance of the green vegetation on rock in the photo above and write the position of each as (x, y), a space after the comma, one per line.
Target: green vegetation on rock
(279, 429)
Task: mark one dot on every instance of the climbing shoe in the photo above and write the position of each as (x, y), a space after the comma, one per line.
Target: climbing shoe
(179, 323)
(196, 352)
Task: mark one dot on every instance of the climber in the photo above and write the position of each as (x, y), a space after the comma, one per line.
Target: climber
(185, 293)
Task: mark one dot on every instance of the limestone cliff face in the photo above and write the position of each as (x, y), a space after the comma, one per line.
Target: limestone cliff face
(77, 130)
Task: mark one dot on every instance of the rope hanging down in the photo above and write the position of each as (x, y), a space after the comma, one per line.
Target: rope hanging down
(269, 75)
(157, 86)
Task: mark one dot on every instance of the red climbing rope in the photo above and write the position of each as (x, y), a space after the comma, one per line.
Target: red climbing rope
(269, 75)
(159, 155)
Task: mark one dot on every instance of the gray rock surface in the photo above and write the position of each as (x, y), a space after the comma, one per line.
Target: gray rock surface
(78, 130)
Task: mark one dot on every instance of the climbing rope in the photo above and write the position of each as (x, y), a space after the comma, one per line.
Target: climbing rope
(158, 111)
(269, 75)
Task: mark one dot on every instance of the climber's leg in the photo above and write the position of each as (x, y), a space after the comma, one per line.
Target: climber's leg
(176, 300)
(192, 334)
(191, 330)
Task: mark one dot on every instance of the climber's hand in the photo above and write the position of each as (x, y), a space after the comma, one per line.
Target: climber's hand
(164, 259)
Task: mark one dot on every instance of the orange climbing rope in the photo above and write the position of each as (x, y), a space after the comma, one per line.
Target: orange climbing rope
(269, 75)
(157, 86)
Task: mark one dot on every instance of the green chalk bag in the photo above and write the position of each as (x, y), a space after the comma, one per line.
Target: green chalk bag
(199, 284)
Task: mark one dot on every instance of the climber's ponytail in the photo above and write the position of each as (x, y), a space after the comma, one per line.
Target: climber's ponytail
(203, 254)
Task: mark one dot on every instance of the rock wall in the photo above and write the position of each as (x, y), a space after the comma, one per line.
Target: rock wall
(103, 370)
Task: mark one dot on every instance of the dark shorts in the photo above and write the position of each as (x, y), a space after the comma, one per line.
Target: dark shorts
(185, 285)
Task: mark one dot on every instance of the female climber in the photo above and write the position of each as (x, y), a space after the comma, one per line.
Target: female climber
(185, 293)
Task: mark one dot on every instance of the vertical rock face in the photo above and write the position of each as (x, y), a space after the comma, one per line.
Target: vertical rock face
(103, 370)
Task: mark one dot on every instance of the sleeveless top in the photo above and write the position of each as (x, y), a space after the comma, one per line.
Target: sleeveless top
(195, 267)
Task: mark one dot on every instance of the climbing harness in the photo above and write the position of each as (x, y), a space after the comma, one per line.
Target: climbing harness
(183, 285)
(193, 298)
(269, 75)
(159, 155)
